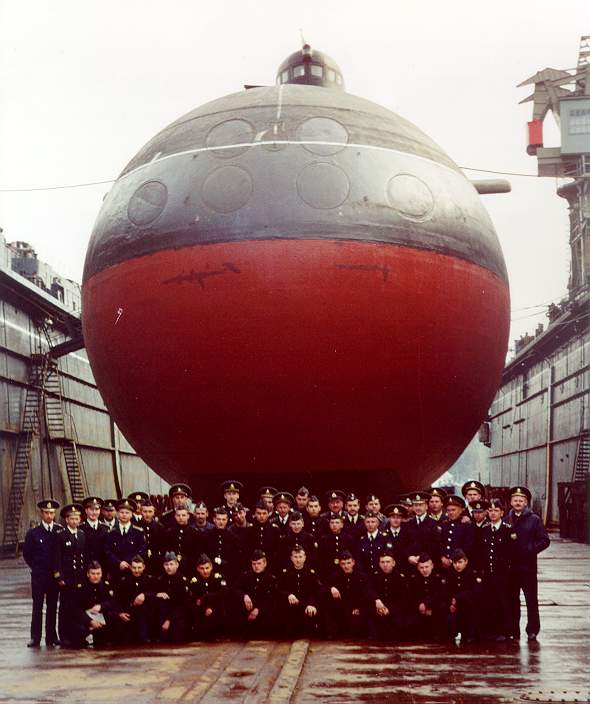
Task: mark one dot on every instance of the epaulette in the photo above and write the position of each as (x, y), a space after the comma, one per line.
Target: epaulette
(193, 580)
(274, 525)
(383, 533)
(137, 528)
(218, 575)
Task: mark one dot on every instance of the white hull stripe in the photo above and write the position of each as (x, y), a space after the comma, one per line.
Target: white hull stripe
(240, 145)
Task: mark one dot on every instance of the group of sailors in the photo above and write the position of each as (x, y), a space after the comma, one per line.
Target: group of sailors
(425, 567)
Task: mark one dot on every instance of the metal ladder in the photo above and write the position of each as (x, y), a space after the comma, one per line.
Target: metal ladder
(22, 462)
(582, 458)
(62, 435)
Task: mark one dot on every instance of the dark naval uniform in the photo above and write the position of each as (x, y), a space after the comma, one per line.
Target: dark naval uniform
(369, 549)
(123, 547)
(38, 552)
(262, 590)
(492, 560)
(424, 536)
(225, 550)
(463, 592)
(355, 526)
(265, 537)
(399, 541)
(341, 622)
(304, 585)
(95, 537)
(155, 537)
(88, 596)
(314, 526)
(330, 547)
(186, 543)
(209, 597)
(429, 591)
(70, 573)
(175, 609)
(303, 539)
(392, 590)
(140, 627)
(530, 538)
(456, 535)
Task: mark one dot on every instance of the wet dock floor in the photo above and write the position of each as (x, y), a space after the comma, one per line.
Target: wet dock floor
(557, 668)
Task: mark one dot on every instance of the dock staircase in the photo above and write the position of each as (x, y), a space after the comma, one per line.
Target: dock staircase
(582, 458)
(43, 402)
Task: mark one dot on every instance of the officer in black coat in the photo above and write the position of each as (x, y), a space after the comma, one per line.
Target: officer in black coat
(69, 571)
(332, 545)
(296, 536)
(528, 539)
(94, 530)
(397, 534)
(231, 495)
(298, 596)
(155, 536)
(96, 613)
(124, 542)
(371, 544)
(262, 534)
(389, 595)
(354, 523)
(455, 534)
(492, 561)
(346, 600)
(424, 531)
(223, 547)
(108, 513)
(210, 602)
(436, 504)
(184, 540)
(38, 553)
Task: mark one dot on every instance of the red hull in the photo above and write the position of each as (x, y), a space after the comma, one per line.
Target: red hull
(279, 357)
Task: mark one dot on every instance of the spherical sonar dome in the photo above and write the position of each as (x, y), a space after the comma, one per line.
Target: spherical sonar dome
(293, 280)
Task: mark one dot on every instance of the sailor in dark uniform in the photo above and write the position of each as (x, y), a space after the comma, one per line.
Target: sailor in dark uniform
(389, 594)
(223, 547)
(397, 534)
(231, 494)
(155, 537)
(262, 534)
(331, 546)
(179, 496)
(69, 571)
(140, 498)
(492, 561)
(184, 540)
(528, 539)
(283, 504)
(371, 544)
(424, 531)
(202, 523)
(296, 536)
(313, 522)
(124, 542)
(209, 594)
(108, 513)
(455, 533)
(298, 596)
(38, 552)
(354, 524)
(257, 595)
(95, 530)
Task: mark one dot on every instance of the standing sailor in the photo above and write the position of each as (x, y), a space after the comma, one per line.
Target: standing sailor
(38, 553)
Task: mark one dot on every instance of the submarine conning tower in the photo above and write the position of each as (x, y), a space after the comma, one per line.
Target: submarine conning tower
(311, 68)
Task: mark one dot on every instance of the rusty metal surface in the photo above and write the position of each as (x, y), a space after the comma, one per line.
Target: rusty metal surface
(554, 669)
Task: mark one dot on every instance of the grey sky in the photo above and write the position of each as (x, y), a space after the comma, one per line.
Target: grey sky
(85, 84)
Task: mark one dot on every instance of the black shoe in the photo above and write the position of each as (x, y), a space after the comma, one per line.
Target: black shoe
(532, 636)
(33, 644)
